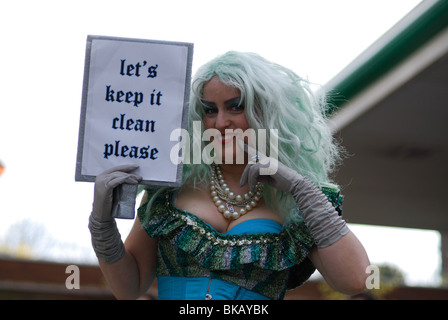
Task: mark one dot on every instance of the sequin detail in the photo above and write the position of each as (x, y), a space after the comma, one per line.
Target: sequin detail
(267, 263)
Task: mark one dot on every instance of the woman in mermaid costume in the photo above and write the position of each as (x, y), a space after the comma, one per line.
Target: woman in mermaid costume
(244, 227)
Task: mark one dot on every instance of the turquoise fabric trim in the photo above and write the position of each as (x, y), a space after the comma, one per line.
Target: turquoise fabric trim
(202, 288)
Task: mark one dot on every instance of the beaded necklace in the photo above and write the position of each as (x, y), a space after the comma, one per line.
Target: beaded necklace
(225, 199)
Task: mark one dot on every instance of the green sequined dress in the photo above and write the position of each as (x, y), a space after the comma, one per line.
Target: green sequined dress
(264, 263)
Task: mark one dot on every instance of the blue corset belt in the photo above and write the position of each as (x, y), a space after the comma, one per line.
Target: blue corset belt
(201, 288)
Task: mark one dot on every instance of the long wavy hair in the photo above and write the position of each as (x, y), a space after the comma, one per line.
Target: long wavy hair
(274, 98)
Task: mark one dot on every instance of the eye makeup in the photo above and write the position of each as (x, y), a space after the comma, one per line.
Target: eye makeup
(234, 105)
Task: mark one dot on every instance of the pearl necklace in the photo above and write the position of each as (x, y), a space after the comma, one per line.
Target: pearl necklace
(225, 199)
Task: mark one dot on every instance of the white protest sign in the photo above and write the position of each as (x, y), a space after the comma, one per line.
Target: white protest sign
(135, 94)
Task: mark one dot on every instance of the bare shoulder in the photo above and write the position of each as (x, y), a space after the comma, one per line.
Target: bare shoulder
(138, 238)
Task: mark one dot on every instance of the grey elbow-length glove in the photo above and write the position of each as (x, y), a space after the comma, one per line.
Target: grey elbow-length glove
(106, 239)
(320, 217)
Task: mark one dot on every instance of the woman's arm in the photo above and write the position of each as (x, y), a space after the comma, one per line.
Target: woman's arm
(129, 269)
(131, 276)
(337, 253)
(343, 264)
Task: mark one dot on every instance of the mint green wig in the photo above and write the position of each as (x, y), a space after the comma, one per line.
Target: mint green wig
(274, 97)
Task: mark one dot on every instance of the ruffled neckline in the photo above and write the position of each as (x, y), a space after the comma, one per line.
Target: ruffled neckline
(186, 231)
(231, 231)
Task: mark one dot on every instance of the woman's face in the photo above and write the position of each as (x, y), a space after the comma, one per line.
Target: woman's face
(223, 110)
